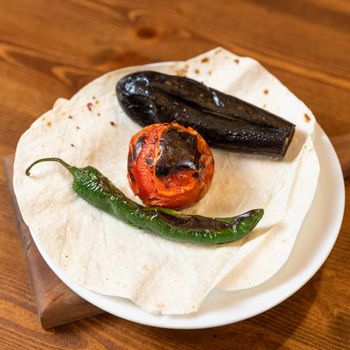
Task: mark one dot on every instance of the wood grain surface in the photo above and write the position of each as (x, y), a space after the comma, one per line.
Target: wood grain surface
(52, 48)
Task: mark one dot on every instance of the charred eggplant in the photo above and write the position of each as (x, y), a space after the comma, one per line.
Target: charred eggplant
(224, 121)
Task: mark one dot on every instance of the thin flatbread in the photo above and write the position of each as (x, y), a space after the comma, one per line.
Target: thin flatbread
(110, 257)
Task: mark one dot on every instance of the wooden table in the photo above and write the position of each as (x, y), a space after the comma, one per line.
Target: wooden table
(52, 48)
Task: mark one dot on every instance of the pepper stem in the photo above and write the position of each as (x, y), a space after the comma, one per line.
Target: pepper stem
(70, 168)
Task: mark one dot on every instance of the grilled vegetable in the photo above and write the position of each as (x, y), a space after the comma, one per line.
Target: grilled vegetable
(223, 120)
(96, 189)
(169, 166)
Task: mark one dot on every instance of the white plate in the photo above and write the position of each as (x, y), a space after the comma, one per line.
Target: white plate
(314, 243)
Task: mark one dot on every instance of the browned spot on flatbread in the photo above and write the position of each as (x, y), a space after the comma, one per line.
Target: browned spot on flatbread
(77, 127)
(72, 144)
(307, 117)
(183, 71)
(197, 71)
(89, 106)
(209, 72)
(205, 60)
(236, 60)
(98, 114)
(49, 124)
(112, 123)
(266, 92)
(70, 117)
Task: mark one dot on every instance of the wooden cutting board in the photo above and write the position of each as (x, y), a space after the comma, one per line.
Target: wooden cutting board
(56, 303)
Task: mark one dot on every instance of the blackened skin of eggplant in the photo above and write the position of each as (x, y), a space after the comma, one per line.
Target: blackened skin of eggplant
(223, 120)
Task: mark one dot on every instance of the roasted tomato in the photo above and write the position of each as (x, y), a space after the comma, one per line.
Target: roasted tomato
(169, 165)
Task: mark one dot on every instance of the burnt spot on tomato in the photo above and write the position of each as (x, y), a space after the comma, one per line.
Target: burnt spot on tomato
(137, 148)
(130, 161)
(178, 151)
(131, 177)
(197, 176)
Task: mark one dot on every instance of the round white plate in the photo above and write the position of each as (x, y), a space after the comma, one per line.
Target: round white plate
(314, 243)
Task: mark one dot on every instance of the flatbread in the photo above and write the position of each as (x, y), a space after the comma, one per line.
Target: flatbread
(108, 256)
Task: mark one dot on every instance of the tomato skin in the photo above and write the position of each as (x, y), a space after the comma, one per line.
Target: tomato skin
(169, 165)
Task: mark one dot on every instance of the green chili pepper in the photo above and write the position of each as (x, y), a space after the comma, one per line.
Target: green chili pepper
(96, 189)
